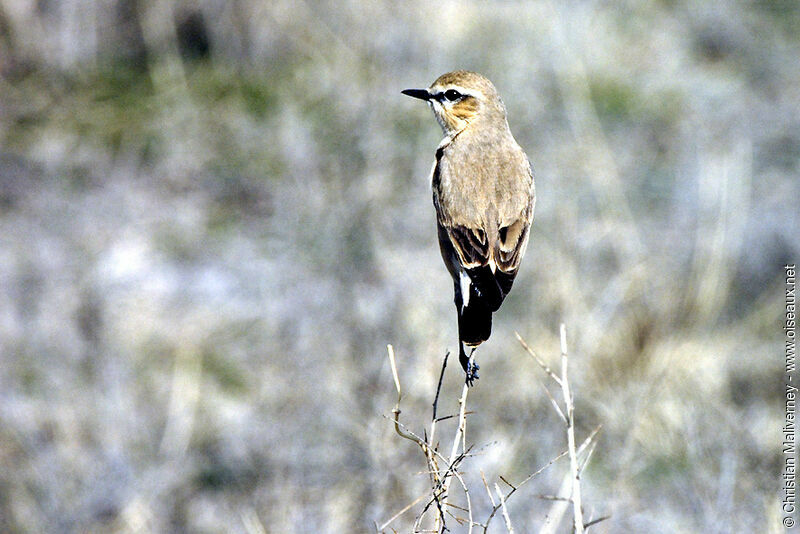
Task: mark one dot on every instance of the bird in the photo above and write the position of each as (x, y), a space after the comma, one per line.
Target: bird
(484, 196)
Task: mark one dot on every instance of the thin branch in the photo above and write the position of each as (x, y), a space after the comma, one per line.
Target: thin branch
(460, 433)
(390, 349)
(507, 519)
(446, 417)
(488, 491)
(439, 385)
(396, 411)
(573, 456)
(537, 472)
(440, 489)
(436, 453)
(552, 498)
(466, 494)
(553, 401)
(442, 470)
(595, 521)
(589, 439)
(434, 419)
(510, 485)
(496, 507)
(588, 457)
(408, 434)
(440, 481)
(430, 451)
(401, 512)
(425, 445)
(538, 360)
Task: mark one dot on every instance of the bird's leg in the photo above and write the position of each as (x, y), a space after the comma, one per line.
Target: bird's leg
(468, 364)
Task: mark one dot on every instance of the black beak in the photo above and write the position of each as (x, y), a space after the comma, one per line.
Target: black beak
(417, 93)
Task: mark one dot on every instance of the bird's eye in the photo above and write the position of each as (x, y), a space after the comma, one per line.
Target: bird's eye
(452, 95)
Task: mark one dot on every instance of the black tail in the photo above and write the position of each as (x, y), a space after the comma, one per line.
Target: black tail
(491, 286)
(474, 320)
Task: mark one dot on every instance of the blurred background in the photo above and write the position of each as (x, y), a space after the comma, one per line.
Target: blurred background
(215, 215)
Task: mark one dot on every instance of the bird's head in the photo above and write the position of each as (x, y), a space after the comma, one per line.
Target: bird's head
(460, 98)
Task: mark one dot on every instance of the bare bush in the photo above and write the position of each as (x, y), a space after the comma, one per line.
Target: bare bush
(438, 505)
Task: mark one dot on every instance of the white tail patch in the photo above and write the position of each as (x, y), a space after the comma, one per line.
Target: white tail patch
(465, 282)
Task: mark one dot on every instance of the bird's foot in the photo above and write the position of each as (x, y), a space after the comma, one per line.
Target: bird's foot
(472, 369)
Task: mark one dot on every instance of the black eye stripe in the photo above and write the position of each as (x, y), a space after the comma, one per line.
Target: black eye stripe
(451, 95)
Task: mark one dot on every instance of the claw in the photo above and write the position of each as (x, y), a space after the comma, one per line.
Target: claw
(469, 366)
(472, 373)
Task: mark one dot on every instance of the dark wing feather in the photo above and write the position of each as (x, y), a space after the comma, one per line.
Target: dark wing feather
(513, 239)
(471, 245)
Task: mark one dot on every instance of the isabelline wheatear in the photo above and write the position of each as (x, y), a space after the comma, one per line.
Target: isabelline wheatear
(484, 196)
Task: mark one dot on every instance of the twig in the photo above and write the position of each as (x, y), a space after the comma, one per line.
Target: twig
(458, 439)
(427, 448)
(440, 481)
(579, 456)
(595, 521)
(553, 401)
(405, 432)
(588, 457)
(503, 508)
(488, 491)
(443, 469)
(466, 494)
(589, 439)
(462, 424)
(495, 507)
(573, 456)
(439, 489)
(396, 411)
(552, 498)
(401, 512)
(446, 417)
(434, 419)
(439, 385)
(538, 360)
(537, 472)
